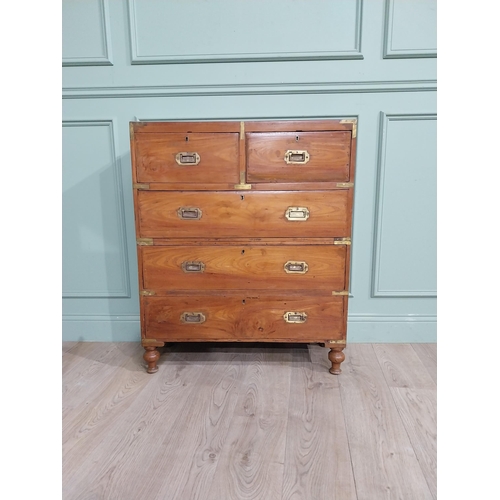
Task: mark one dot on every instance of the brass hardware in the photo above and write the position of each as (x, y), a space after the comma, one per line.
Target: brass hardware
(296, 157)
(242, 131)
(345, 184)
(140, 186)
(144, 241)
(193, 267)
(295, 317)
(193, 317)
(187, 158)
(242, 186)
(152, 342)
(293, 267)
(342, 241)
(342, 292)
(131, 130)
(336, 341)
(147, 293)
(297, 213)
(354, 122)
(189, 213)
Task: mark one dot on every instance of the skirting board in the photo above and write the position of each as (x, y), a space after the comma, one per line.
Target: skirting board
(361, 328)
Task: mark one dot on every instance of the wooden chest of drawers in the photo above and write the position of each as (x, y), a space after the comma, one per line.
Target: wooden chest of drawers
(243, 231)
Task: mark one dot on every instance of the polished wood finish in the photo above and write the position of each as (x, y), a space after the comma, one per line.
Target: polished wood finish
(328, 161)
(236, 267)
(243, 317)
(240, 213)
(243, 231)
(156, 157)
(151, 356)
(247, 421)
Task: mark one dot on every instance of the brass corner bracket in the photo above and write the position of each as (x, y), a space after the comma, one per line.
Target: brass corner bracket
(354, 122)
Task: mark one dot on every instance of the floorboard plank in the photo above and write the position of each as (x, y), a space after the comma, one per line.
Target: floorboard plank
(402, 367)
(428, 355)
(384, 462)
(250, 466)
(417, 408)
(318, 463)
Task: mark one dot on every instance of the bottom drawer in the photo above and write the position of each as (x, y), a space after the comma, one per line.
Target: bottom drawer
(233, 318)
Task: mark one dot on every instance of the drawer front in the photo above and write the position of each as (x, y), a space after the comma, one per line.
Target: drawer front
(201, 318)
(298, 156)
(175, 157)
(270, 214)
(287, 267)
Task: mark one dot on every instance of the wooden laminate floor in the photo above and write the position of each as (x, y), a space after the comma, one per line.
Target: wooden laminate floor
(231, 422)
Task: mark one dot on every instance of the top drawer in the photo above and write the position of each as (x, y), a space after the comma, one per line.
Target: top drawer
(187, 157)
(298, 156)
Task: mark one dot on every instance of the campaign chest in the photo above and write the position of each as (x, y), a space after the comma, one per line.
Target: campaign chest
(243, 231)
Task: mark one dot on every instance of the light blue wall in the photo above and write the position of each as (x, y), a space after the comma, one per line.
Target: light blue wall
(220, 59)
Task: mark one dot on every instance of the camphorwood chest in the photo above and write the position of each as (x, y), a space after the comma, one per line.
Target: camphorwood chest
(243, 231)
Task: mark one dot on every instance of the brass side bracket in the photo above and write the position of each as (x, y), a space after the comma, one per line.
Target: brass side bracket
(140, 186)
(345, 184)
(354, 122)
(144, 241)
(242, 186)
(342, 241)
(336, 342)
(147, 293)
(342, 292)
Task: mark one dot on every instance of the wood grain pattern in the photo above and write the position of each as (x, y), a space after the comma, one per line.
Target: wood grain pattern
(183, 463)
(402, 367)
(251, 267)
(318, 463)
(156, 157)
(244, 318)
(381, 451)
(109, 470)
(243, 421)
(428, 355)
(329, 155)
(239, 214)
(417, 408)
(251, 465)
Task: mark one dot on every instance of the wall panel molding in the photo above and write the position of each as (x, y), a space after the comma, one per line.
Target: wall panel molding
(376, 291)
(96, 60)
(391, 49)
(138, 58)
(125, 291)
(250, 89)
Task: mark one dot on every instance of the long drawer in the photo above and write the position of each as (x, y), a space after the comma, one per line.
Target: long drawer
(187, 157)
(247, 318)
(301, 214)
(290, 267)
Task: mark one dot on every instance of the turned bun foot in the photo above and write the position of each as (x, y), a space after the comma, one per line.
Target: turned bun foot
(336, 356)
(151, 356)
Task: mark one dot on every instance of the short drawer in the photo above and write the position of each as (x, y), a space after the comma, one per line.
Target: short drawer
(185, 158)
(298, 156)
(289, 267)
(190, 214)
(247, 318)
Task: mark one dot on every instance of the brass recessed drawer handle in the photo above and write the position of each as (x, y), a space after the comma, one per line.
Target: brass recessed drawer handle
(295, 317)
(189, 213)
(297, 213)
(193, 267)
(187, 158)
(296, 157)
(193, 317)
(296, 267)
